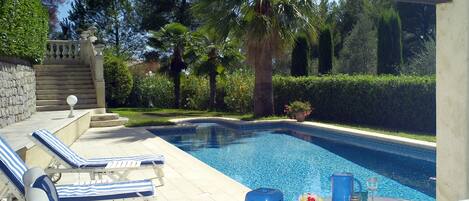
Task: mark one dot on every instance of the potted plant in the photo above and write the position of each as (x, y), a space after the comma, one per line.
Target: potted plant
(298, 110)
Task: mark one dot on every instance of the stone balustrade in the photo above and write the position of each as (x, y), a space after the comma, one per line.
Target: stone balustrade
(62, 52)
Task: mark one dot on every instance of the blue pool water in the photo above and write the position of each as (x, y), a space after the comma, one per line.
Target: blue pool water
(296, 163)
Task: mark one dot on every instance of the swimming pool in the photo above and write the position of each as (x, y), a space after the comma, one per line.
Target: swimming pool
(296, 162)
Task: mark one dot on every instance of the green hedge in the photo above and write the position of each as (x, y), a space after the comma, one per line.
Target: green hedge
(396, 102)
(392, 102)
(23, 29)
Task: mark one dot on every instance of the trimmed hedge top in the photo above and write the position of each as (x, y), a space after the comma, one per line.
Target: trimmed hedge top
(23, 29)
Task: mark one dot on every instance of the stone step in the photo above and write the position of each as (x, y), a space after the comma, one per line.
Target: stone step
(109, 123)
(64, 73)
(63, 86)
(64, 96)
(65, 82)
(105, 117)
(63, 102)
(65, 92)
(62, 78)
(63, 70)
(64, 107)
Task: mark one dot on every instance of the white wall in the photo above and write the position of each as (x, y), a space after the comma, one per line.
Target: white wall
(453, 100)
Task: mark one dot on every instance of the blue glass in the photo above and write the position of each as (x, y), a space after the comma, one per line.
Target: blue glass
(297, 163)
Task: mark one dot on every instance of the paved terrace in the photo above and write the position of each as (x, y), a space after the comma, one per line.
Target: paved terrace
(186, 178)
(16, 134)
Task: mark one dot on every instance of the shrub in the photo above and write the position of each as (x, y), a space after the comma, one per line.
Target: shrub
(389, 43)
(118, 80)
(156, 91)
(23, 29)
(239, 88)
(396, 102)
(195, 92)
(136, 96)
(300, 57)
(326, 51)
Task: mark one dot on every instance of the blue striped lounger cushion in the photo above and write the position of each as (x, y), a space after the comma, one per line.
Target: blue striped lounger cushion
(65, 153)
(106, 191)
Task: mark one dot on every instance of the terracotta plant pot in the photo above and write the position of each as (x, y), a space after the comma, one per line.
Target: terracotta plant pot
(300, 116)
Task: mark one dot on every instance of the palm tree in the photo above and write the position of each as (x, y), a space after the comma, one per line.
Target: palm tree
(172, 39)
(265, 26)
(211, 55)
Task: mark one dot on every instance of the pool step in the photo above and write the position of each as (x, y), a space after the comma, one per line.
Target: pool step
(107, 120)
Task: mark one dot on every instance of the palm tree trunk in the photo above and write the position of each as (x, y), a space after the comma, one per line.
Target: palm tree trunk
(213, 90)
(263, 90)
(177, 65)
(177, 89)
(212, 57)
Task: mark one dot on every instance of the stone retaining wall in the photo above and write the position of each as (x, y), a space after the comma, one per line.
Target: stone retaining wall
(17, 92)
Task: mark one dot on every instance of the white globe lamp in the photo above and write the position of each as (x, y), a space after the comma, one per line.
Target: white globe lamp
(72, 100)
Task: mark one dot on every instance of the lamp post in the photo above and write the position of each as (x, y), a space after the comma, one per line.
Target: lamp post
(71, 101)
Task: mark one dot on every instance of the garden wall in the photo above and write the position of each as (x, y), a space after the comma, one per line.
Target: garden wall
(17, 92)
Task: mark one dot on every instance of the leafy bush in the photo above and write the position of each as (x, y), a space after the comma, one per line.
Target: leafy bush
(239, 88)
(23, 29)
(389, 43)
(396, 102)
(118, 80)
(195, 92)
(156, 91)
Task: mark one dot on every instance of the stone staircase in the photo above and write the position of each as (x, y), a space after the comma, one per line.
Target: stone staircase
(55, 82)
(107, 120)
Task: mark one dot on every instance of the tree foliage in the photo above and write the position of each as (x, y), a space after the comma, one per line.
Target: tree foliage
(389, 43)
(265, 26)
(154, 14)
(424, 61)
(326, 50)
(358, 56)
(418, 26)
(301, 56)
(116, 20)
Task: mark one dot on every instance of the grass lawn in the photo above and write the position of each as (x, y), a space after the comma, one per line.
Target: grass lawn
(160, 117)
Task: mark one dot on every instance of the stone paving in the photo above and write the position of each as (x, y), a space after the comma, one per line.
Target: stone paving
(16, 134)
(186, 178)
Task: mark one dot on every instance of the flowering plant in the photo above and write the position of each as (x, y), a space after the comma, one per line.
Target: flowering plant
(298, 107)
(309, 197)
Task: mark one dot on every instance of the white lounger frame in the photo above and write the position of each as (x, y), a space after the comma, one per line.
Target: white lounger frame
(116, 174)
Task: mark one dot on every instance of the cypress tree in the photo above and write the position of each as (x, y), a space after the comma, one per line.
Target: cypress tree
(325, 50)
(300, 57)
(389, 43)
